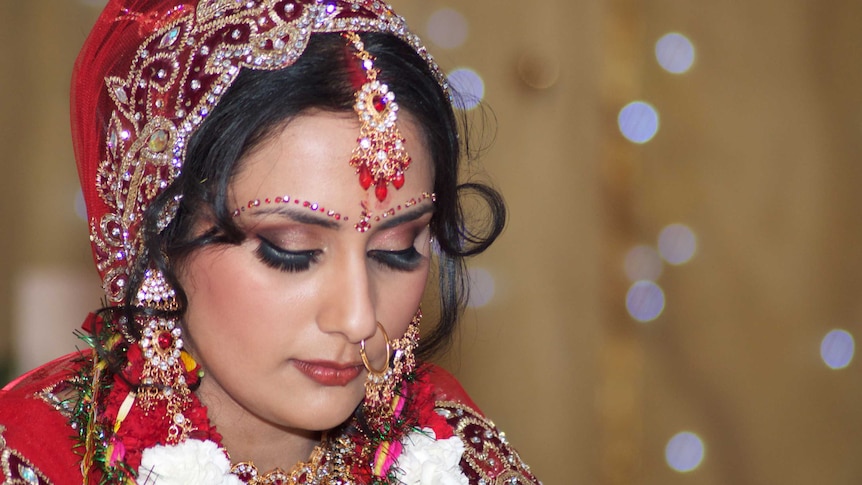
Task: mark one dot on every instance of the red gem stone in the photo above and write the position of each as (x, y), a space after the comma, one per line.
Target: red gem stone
(365, 178)
(165, 340)
(380, 191)
(302, 478)
(398, 180)
(379, 103)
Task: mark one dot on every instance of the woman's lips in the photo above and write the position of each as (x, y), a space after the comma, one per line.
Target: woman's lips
(328, 373)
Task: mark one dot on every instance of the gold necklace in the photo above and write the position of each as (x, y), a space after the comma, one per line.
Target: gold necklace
(325, 466)
(300, 473)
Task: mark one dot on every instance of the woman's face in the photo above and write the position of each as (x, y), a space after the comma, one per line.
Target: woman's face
(277, 321)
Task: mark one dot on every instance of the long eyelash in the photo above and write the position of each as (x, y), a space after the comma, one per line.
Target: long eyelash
(402, 260)
(284, 260)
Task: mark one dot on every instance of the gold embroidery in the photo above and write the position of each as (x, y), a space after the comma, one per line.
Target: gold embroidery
(16, 469)
(59, 396)
(488, 456)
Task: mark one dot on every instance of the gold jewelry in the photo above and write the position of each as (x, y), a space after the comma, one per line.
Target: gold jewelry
(156, 293)
(326, 466)
(380, 156)
(381, 388)
(365, 361)
(163, 377)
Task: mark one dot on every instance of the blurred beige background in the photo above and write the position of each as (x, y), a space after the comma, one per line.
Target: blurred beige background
(757, 153)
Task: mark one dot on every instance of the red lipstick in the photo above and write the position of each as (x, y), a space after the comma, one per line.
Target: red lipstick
(327, 373)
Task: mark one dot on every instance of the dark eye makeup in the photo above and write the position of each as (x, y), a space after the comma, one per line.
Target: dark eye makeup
(284, 260)
(275, 257)
(401, 260)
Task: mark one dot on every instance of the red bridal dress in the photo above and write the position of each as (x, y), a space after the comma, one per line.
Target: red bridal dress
(39, 443)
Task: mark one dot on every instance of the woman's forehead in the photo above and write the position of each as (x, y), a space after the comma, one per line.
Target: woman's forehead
(307, 164)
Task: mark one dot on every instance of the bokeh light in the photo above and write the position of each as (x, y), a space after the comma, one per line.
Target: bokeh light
(645, 301)
(638, 121)
(837, 349)
(677, 244)
(684, 452)
(643, 263)
(675, 53)
(447, 28)
(467, 87)
(482, 287)
(539, 69)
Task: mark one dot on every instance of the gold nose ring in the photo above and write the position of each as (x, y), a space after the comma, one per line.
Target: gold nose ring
(365, 361)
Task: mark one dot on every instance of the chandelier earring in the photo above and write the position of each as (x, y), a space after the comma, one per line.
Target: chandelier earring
(156, 293)
(382, 386)
(166, 367)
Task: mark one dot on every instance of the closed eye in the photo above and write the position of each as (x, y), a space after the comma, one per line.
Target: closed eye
(407, 259)
(283, 260)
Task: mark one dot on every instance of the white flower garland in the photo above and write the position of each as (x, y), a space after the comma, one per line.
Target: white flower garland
(192, 462)
(429, 461)
(424, 460)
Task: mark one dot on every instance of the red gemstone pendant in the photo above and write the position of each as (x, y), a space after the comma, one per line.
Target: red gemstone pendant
(379, 103)
(380, 191)
(365, 177)
(165, 340)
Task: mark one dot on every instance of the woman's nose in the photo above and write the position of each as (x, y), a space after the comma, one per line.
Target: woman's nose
(349, 304)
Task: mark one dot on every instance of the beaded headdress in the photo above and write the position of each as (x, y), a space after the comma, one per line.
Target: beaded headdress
(154, 69)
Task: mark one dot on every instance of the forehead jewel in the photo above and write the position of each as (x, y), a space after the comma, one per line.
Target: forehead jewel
(380, 156)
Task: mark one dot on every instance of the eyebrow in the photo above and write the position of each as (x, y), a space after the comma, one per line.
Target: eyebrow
(298, 214)
(304, 216)
(387, 222)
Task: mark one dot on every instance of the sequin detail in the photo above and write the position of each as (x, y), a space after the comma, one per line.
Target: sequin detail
(17, 469)
(488, 458)
(365, 218)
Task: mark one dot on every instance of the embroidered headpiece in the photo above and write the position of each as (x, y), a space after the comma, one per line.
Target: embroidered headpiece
(152, 70)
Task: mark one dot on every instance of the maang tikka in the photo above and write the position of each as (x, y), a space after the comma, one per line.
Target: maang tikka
(380, 156)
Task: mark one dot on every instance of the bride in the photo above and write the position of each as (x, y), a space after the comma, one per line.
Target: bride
(270, 187)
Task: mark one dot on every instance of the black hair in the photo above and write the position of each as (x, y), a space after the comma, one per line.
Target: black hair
(260, 102)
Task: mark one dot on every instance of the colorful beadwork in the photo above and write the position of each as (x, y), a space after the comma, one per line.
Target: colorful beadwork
(286, 199)
(365, 218)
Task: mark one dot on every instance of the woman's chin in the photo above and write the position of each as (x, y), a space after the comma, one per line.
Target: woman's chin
(328, 415)
(325, 421)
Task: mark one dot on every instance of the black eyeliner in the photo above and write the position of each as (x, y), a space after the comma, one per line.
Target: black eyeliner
(401, 260)
(283, 260)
